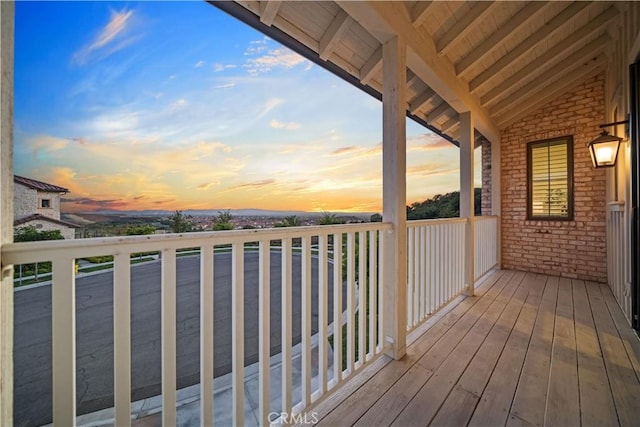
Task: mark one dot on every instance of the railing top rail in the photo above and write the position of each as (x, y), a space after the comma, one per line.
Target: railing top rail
(481, 217)
(15, 253)
(436, 221)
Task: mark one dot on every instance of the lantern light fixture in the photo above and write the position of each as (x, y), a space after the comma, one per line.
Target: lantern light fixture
(604, 149)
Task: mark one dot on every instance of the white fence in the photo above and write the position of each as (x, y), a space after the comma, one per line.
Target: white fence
(435, 265)
(350, 260)
(485, 244)
(358, 327)
(618, 257)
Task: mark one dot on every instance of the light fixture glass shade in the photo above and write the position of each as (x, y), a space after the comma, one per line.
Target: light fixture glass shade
(604, 150)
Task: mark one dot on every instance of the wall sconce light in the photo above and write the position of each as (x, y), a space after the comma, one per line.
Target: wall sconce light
(604, 149)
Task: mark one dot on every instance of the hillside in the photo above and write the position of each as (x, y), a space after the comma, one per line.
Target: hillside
(441, 206)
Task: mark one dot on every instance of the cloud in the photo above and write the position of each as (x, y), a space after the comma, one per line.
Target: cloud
(256, 47)
(199, 64)
(357, 152)
(109, 40)
(95, 204)
(280, 125)
(344, 150)
(279, 58)
(255, 184)
(207, 185)
(180, 103)
(427, 142)
(46, 143)
(221, 67)
(432, 169)
(225, 86)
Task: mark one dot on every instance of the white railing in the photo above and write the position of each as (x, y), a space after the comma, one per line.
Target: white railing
(361, 321)
(435, 265)
(485, 244)
(618, 256)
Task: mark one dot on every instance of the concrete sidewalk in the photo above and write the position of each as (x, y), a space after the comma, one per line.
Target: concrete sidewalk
(148, 412)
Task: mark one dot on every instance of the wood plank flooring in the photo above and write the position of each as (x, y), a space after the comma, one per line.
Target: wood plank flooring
(527, 350)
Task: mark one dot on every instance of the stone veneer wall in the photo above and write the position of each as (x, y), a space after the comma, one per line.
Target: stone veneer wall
(573, 249)
(25, 201)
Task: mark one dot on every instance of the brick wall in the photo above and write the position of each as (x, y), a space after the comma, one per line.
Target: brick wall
(574, 249)
(486, 177)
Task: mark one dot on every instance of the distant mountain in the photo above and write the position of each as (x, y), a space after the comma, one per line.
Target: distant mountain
(234, 212)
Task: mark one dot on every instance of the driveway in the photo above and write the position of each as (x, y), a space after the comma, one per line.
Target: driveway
(94, 331)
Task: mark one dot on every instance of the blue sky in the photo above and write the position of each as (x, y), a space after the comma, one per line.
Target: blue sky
(175, 105)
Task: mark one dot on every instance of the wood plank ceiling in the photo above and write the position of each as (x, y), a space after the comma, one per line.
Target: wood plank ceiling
(501, 60)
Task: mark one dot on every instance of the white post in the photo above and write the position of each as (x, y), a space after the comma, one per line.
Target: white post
(6, 209)
(394, 57)
(496, 194)
(168, 335)
(122, 338)
(466, 196)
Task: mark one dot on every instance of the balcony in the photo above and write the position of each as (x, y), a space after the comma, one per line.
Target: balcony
(322, 303)
(528, 349)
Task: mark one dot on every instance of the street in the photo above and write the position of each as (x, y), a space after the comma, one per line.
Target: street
(94, 331)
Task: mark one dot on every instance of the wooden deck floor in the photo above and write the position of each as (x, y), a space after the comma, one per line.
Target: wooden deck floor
(528, 350)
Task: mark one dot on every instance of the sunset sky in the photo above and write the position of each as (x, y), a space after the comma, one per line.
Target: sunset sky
(163, 105)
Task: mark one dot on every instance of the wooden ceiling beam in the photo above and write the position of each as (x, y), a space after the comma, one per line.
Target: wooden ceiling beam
(371, 67)
(558, 52)
(551, 92)
(499, 37)
(334, 33)
(534, 40)
(450, 124)
(420, 100)
(412, 78)
(558, 71)
(437, 112)
(269, 10)
(460, 29)
(385, 20)
(420, 12)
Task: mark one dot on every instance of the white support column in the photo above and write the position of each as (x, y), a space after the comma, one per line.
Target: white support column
(466, 196)
(6, 209)
(496, 195)
(394, 159)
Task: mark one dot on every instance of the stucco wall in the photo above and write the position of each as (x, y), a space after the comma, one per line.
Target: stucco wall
(575, 249)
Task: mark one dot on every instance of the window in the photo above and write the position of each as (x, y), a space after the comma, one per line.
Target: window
(550, 179)
(45, 203)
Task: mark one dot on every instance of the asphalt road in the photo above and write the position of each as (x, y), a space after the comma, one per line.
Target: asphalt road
(94, 332)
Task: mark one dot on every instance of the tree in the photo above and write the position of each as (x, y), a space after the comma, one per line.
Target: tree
(329, 218)
(289, 221)
(442, 206)
(137, 230)
(223, 221)
(376, 217)
(31, 234)
(181, 223)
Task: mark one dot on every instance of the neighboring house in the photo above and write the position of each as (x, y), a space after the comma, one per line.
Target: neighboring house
(37, 203)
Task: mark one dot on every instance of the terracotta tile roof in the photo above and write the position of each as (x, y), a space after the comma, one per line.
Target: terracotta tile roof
(39, 185)
(40, 217)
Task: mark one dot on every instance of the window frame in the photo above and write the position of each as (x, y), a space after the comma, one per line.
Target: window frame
(48, 202)
(568, 140)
